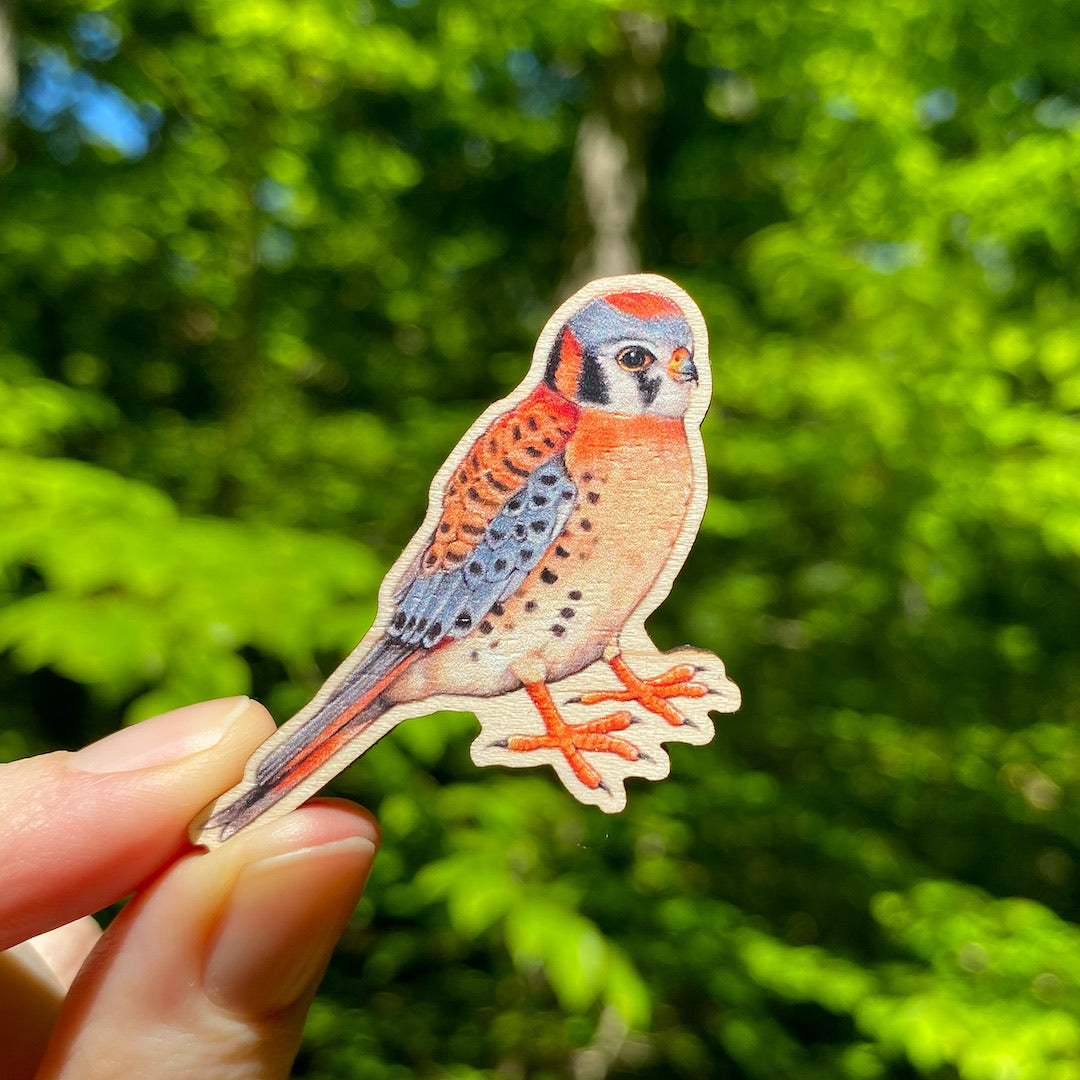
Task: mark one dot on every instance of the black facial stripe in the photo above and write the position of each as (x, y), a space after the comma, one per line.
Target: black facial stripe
(647, 388)
(591, 385)
(553, 360)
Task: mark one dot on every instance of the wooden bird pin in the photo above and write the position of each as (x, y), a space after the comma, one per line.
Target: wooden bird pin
(554, 529)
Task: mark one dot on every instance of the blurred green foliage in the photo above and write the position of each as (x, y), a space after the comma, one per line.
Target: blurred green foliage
(262, 262)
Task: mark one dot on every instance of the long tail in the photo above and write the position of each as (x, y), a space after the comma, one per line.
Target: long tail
(356, 704)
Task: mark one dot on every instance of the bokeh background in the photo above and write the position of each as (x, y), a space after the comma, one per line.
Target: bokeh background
(261, 264)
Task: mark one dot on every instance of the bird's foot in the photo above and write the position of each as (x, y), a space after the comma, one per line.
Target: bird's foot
(572, 739)
(653, 694)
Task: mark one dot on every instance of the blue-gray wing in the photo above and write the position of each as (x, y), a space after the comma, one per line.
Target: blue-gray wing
(450, 602)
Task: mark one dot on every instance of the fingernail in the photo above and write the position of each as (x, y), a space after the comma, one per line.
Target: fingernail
(163, 739)
(281, 923)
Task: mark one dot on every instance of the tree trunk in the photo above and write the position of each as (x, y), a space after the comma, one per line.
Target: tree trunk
(609, 154)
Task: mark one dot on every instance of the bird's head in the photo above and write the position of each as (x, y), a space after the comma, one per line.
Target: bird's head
(626, 352)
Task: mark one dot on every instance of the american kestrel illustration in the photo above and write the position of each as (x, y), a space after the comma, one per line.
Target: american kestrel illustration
(554, 529)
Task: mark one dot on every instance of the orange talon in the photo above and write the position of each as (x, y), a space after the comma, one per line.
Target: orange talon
(679, 673)
(651, 693)
(572, 739)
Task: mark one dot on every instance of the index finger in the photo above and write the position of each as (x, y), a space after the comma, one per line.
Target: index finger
(79, 831)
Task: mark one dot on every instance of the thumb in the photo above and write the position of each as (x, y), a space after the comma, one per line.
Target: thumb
(210, 971)
(79, 831)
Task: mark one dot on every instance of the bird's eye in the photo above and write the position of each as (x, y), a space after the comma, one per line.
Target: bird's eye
(634, 358)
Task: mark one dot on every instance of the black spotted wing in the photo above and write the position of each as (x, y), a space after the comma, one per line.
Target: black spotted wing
(450, 602)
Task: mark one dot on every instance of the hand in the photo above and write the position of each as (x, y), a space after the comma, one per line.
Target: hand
(210, 969)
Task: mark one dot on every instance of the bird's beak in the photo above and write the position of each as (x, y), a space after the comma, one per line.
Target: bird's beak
(681, 368)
